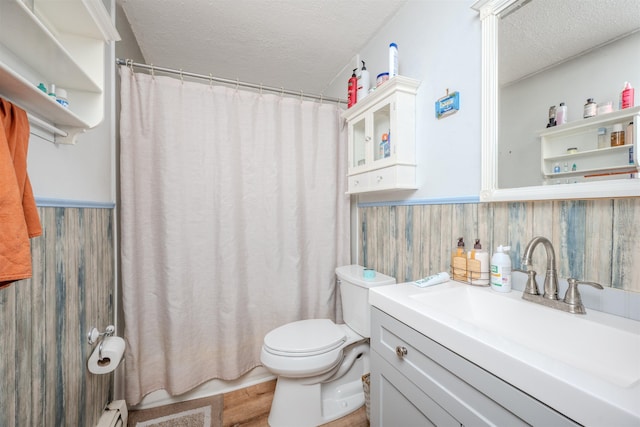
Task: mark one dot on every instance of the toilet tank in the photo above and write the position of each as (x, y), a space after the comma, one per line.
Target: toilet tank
(354, 291)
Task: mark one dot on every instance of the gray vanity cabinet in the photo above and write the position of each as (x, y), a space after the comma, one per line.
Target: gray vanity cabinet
(417, 382)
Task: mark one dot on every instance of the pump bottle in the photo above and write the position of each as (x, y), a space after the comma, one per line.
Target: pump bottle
(364, 83)
(501, 270)
(478, 265)
(352, 89)
(459, 261)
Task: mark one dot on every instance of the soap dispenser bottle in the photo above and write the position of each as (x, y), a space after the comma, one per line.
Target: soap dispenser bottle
(478, 265)
(459, 261)
(501, 270)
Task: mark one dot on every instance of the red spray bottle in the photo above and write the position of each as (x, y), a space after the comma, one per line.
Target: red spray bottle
(352, 89)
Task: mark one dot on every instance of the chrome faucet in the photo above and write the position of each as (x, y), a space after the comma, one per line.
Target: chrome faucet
(572, 301)
(550, 278)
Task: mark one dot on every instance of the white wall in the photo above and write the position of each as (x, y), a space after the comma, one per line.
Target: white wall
(439, 43)
(524, 110)
(82, 174)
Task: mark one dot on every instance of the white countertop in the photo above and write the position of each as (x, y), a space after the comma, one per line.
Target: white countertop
(590, 393)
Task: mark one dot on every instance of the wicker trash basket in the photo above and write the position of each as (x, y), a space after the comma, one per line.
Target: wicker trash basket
(366, 384)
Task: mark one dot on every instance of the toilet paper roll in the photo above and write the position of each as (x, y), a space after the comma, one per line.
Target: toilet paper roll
(112, 352)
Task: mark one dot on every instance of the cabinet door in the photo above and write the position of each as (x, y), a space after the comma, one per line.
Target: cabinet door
(358, 144)
(383, 142)
(398, 402)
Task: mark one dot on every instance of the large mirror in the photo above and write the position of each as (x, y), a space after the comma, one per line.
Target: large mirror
(538, 54)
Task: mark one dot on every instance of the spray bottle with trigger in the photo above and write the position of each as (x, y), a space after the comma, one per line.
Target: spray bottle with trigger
(352, 89)
(364, 83)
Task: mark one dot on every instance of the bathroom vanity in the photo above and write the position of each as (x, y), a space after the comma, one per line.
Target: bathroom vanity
(454, 354)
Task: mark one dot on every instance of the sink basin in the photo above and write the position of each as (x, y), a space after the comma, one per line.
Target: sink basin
(570, 338)
(586, 367)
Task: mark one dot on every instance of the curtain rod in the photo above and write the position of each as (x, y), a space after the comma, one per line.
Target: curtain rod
(152, 68)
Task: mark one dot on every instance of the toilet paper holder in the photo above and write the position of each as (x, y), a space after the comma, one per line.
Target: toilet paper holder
(94, 335)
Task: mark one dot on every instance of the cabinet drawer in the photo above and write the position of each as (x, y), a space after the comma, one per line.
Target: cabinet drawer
(399, 176)
(358, 183)
(471, 394)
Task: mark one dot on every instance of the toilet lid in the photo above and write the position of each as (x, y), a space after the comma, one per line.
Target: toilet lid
(305, 337)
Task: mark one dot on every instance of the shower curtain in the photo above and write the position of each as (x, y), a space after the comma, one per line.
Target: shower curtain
(233, 219)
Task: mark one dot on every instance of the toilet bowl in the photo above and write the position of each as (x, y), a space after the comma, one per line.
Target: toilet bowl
(319, 363)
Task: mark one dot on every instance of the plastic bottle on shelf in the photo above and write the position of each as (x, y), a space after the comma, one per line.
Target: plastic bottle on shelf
(590, 108)
(393, 60)
(603, 141)
(627, 96)
(352, 89)
(364, 83)
(561, 114)
(617, 135)
(61, 98)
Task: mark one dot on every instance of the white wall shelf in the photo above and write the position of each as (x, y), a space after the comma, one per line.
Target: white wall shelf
(60, 43)
(589, 162)
(390, 111)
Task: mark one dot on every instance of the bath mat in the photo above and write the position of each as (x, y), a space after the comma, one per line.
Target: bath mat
(206, 412)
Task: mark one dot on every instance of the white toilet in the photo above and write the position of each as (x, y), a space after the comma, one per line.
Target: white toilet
(319, 363)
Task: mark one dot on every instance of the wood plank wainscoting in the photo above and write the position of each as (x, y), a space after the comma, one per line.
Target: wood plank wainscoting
(44, 322)
(596, 240)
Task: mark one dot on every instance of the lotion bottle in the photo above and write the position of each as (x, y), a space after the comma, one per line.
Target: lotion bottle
(501, 270)
(459, 261)
(364, 83)
(352, 89)
(478, 265)
(627, 96)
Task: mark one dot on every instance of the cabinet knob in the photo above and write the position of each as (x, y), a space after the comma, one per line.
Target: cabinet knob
(367, 138)
(379, 178)
(401, 351)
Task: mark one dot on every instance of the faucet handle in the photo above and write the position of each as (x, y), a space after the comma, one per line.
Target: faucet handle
(531, 287)
(572, 297)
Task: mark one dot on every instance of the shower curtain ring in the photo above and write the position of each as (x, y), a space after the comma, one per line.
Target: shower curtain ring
(301, 95)
(281, 91)
(181, 76)
(153, 72)
(261, 89)
(237, 83)
(130, 64)
(321, 98)
(210, 80)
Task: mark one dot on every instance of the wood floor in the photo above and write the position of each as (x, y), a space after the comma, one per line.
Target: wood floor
(249, 407)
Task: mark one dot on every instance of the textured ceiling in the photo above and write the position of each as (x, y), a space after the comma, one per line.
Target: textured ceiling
(545, 32)
(298, 44)
(305, 44)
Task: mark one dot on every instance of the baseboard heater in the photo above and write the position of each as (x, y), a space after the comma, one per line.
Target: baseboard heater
(114, 415)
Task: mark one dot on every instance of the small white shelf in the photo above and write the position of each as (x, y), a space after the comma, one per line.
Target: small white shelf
(60, 43)
(591, 162)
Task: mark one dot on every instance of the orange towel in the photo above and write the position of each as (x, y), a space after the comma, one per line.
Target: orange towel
(19, 218)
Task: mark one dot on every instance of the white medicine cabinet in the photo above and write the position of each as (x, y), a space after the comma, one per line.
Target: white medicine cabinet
(59, 43)
(581, 151)
(381, 137)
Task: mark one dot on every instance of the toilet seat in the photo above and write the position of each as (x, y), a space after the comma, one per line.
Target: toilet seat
(304, 348)
(305, 338)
